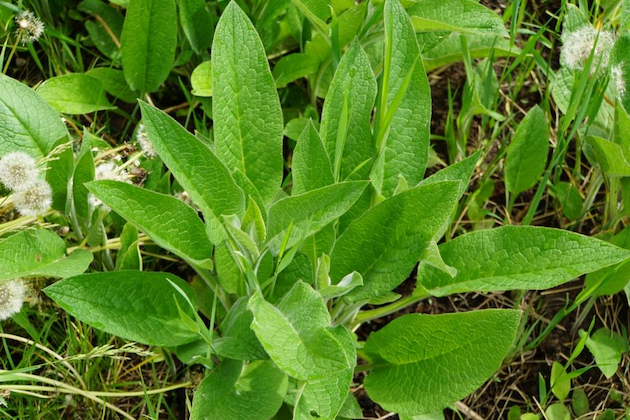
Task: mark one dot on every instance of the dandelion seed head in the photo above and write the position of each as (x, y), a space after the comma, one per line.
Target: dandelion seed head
(578, 45)
(34, 200)
(107, 171)
(616, 75)
(142, 137)
(30, 27)
(18, 171)
(11, 298)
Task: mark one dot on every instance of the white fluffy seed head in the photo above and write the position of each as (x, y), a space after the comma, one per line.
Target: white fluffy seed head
(35, 200)
(29, 27)
(18, 171)
(11, 298)
(617, 79)
(142, 137)
(107, 171)
(578, 45)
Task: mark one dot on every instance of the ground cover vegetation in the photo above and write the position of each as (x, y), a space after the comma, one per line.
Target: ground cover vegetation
(315, 209)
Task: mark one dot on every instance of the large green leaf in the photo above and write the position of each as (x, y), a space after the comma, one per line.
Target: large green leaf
(171, 223)
(136, 305)
(423, 363)
(323, 398)
(612, 279)
(347, 114)
(39, 253)
(197, 23)
(405, 108)
(463, 16)
(311, 165)
(385, 243)
(295, 336)
(114, 83)
(76, 93)
(610, 157)
(247, 115)
(148, 43)
(238, 341)
(29, 124)
(527, 153)
(308, 213)
(235, 392)
(194, 165)
(517, 257)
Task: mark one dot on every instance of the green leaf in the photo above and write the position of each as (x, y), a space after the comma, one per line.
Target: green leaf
(463, 16)
(39, 253)
(323, 398)
(114, 83)
(423, 363)
(196, 168)
(310, 212)
(347, 135)
(317, 11)
(311, 166)
(238, 341)
(234, 392)
(76, 93)
(611, 280)
(295, 336)
(247, 115)
(169, 222)
(294, 66)
(607, 347)
(449, 51)
(609, 156)
(579, 402)
(110, 23)
(527, 153)
(134, 305)
(29, 124)
(385, 243)
(148, 43)
(560, 383)
(519, 258)
(402, 139)
(570, 200)
(557, 412)
(201, 79)
(197, 23)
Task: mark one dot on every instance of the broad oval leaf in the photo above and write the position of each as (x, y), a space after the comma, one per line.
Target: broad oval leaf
(295, 336)
(609, 156)
(423, 363)
(27, 122)
(136, 305)
(235, 392)
(148, 43)
(517, 257)
(527, 152)
(171, 223)
(385, 243)
(238, 341)
(76, 93)
(201, 79)
(40, 253)
(310, 212)
(247, 115)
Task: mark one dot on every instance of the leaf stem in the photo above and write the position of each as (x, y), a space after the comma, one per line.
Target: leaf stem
(366, 316)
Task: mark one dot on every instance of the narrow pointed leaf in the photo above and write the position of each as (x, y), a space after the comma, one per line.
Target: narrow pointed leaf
(247, 116)
(519, 258)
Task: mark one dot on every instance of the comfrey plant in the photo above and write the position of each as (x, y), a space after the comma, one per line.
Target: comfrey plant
(290, 264)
